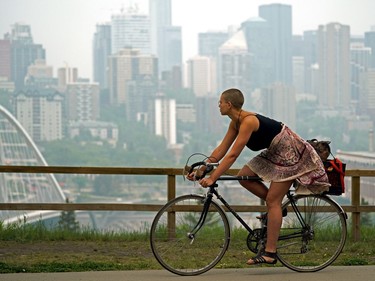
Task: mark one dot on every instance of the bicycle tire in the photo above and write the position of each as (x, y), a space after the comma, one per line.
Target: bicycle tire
(171, 244)
(321, 241)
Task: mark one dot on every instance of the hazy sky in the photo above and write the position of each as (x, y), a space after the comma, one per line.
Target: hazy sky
(65, 28)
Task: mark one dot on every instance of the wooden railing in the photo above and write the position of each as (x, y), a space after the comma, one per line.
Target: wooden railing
(355, 208)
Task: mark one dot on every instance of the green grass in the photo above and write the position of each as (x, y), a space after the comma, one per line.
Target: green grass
(35, 248)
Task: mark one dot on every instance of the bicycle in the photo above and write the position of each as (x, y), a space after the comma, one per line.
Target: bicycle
(191, 233)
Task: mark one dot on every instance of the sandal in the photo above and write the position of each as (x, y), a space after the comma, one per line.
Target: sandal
(259, 258)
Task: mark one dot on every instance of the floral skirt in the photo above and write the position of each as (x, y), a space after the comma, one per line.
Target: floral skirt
(289, 157)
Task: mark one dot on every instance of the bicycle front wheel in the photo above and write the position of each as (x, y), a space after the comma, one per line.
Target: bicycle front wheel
(173, 244)
(316, 243)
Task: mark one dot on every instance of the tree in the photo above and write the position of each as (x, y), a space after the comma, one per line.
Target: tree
(68, 220)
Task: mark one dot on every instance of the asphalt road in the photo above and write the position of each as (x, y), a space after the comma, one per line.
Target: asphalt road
(332, 273)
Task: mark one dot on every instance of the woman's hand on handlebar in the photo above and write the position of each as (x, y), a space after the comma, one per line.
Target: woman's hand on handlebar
(206, 182)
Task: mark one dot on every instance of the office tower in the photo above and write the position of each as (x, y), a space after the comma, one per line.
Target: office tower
(40, 112)
(298, 63)
(130, 30)
(160, 12)
(201, 76)
(234, 63)
(370, 42)
(82, 102)
(40, 75)
(259, 46)
(171, 80)
(333, 59)
(166, 42)
(310, 42)
(360, 60)
(5, 59)
(23, 52)
(367, 92)
(170, 53)
(279, 102)
(208, 116)
(279, 17)
(210, 42)
(66, 75)
(132, 81)
(101, 52)
(165, 119)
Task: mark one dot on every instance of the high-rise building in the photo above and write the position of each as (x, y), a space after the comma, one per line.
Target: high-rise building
(279, 102)
(5, 59)
(210, 42)
(279, 17)
(259, 46)
(166, 42)
(130, 30)
(101, 52)
(23, 52)
(132, 81)
(234, 63)
(66, 75)
(201, 76)
(367, 91)
(333, 58)
(310, 42)
(360, 60)
(82, 102)
(165, 119)
(40, 75)
(160, 12)
(370, 42)
(170, 54)
(40, 112)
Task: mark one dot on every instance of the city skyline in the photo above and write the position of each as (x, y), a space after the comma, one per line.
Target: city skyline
(71, 42)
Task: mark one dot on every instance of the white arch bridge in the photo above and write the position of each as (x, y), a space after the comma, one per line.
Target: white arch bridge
(17, 148)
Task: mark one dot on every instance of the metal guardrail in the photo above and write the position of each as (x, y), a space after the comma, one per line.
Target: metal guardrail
(355, 208)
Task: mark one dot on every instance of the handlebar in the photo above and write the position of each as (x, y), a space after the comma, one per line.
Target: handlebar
(208, 167)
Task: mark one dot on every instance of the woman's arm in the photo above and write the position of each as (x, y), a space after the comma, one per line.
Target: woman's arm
(246, 129)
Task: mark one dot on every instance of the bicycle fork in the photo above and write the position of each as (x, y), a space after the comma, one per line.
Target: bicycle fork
(202, 219)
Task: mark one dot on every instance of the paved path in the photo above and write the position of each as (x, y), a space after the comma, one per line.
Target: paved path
(332, 273)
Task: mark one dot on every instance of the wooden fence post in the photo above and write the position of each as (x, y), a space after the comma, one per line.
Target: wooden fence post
(356, 202)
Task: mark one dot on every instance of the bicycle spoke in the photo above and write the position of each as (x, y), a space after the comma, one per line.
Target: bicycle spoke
(170, 241)
(322, 236)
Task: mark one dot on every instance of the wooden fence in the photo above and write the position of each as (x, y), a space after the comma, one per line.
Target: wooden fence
(355, 208)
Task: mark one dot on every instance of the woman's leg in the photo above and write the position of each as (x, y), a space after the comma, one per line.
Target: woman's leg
(274, 199)
(255, 187)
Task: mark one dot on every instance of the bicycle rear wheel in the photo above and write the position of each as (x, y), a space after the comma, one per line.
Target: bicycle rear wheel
(171, 240)
(317, 244)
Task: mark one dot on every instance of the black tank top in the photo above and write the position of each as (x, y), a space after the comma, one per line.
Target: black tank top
(268, 129)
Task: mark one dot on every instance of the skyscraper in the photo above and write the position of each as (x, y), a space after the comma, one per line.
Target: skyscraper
(132, 81)
(166, 42)
(235, 63)
(40, 112)
(101, 51)
(360, 60)
(5, 58)
(370, 42)
(23, 52)
(210, 42)
(279, 17)
(130, 30)
(259, 46)
(201, 75)
(160, 16)
(333, 59)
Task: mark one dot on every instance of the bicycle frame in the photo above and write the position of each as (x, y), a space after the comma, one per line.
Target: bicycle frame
(212, 191)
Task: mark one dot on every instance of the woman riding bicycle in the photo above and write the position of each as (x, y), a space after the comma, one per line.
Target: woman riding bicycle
(284, 159)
